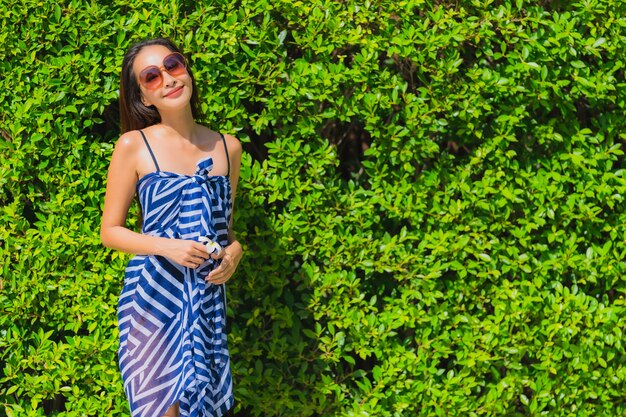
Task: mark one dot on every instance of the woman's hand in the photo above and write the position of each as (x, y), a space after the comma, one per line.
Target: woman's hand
(187, 253)
(230, 256)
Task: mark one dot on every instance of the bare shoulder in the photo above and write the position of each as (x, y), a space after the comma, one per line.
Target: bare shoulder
(126, 152)
(233, 144)
(129, 142)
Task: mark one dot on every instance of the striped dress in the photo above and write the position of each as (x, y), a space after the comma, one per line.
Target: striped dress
(171, 321)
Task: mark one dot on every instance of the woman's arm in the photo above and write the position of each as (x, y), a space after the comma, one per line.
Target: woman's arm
(234, 152)
(121, 183)
(232, 253)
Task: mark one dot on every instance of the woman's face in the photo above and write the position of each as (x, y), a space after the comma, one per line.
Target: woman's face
(166, 90)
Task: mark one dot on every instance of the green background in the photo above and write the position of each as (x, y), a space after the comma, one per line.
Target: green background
(431, 202)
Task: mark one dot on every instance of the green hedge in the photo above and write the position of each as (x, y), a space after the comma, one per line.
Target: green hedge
(431, 202)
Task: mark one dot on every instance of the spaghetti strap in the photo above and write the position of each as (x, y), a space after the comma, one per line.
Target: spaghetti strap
(150, 150)
(225, 149)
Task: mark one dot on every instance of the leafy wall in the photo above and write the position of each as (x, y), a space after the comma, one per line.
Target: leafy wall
(431, 203)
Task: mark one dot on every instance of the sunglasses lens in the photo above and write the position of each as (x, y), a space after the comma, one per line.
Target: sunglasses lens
(174, 64)
(151, 77)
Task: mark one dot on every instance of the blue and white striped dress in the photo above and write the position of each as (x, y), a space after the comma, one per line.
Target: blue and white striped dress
(171, 321)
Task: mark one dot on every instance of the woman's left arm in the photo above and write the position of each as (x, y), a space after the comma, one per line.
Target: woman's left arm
(232, 254)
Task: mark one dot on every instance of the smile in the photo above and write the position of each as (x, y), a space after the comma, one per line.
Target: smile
(175, 92)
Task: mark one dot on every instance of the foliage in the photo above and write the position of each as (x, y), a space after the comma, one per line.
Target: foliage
(431, 203)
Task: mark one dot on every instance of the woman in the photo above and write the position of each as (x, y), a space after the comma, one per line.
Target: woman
(173, 354)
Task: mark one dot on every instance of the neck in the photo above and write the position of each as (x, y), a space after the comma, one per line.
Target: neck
(182, 122)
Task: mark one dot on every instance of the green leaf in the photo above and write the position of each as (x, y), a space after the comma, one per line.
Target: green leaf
(485, 257)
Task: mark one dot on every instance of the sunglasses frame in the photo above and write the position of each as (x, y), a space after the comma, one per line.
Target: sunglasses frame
(142, 74)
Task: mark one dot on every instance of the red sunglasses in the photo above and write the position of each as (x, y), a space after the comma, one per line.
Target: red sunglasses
(152, 78)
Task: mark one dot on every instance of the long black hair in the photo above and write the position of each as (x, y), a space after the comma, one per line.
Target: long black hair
(133, 113)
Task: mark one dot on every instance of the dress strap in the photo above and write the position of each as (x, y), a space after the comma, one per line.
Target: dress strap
(225, 149)
(150, 150)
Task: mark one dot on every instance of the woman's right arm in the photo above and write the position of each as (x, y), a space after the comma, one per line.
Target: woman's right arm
(121, 184)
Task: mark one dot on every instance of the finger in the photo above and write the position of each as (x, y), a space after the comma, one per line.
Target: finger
(218, 275)
(218, 281)
(192, 261)
(223, 272)
(198, 245)
(202, 254)
(201, 250)
(215, 274)
(194, 258)
(198, 261)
